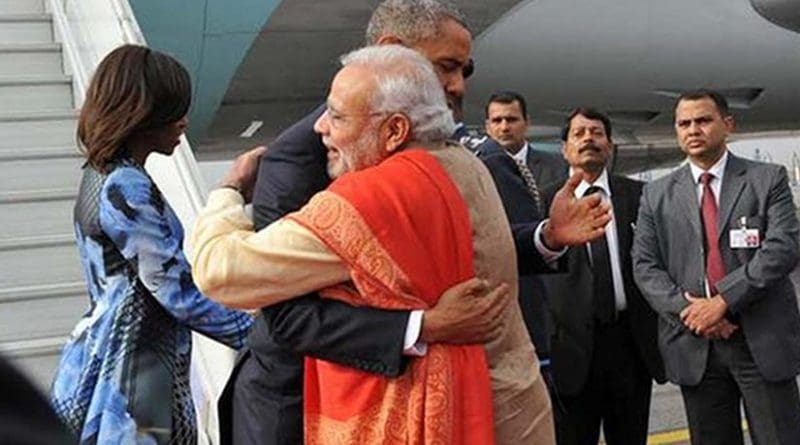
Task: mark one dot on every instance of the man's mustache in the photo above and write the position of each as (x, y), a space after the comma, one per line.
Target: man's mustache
(591, 146)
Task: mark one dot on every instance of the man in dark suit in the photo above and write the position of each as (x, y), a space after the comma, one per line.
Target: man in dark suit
(604, 347)
(262, 402)
(714, 245)
(520, 173)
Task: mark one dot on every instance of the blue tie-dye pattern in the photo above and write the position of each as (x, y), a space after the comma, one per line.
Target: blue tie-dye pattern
(94, 375)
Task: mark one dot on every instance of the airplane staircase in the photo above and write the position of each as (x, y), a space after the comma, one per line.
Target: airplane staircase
(48, 49)
(42, 293)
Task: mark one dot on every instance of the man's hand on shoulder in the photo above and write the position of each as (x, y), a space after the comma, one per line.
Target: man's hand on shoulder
(242, 174)
(575, 221)
(466, 313)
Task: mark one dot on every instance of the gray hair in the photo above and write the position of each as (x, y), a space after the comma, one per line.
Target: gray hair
(411, 20)
(406, 83)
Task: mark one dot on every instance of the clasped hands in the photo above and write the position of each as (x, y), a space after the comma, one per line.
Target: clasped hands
(706, 317)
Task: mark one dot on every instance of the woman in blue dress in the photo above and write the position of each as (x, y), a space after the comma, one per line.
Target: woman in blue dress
(124, 373)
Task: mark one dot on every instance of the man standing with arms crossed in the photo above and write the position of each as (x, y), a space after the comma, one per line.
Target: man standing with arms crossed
(714, 245)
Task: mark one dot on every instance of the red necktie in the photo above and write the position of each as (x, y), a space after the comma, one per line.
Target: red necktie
(715, 268)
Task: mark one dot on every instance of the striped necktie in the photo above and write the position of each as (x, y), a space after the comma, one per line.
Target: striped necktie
(530, 182)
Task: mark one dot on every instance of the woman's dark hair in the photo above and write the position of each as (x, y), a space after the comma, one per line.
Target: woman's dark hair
(134, 89)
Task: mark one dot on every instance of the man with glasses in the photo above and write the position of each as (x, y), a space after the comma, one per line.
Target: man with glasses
(262, 402)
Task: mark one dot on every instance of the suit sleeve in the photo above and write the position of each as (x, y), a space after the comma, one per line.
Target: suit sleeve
(368, 339)
(529, 260)
(775, 258)
(649, 268)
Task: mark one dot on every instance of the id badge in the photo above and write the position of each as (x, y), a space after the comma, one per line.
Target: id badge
(745, 238)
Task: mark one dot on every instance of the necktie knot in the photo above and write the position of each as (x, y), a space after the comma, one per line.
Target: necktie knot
(706, 178)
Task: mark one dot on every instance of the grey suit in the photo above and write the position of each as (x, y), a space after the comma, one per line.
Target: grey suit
(668, 258)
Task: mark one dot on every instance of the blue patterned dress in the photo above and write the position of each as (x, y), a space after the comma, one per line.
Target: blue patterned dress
(124, 373)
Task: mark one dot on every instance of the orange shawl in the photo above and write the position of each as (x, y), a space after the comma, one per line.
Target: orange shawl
(404, 231)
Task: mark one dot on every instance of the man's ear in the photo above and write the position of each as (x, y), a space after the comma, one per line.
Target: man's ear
(730, 123)
(389, 39)
(396, 131)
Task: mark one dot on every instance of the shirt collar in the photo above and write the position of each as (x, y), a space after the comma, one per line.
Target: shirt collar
(601, 181)
(717, 169)
(521, 155)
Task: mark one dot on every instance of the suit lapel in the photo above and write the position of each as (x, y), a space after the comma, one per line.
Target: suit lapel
(686, 198)
(733, 182)
(531, 160)
(621, 200)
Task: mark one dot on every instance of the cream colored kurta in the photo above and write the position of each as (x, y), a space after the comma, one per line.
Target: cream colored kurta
(243, 269)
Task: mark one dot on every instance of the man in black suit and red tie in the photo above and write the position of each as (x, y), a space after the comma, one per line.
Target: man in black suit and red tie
(715, 243)
(604, 350)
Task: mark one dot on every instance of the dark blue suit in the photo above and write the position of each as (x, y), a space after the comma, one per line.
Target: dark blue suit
(521, 210)
(262, 403)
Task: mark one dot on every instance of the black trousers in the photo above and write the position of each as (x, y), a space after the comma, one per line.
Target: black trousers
(262, 403)
(731, 376)
(616, 394)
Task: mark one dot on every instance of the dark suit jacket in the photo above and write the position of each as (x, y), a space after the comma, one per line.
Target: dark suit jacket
(669, 260)
(572, 295)
(521, 210)
(292, 170)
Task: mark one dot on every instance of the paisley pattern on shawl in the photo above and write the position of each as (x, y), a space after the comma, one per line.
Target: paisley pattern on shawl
(404, 231)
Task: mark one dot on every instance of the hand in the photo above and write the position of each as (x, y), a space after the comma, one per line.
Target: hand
(575, 221)
(242, 174)
(466, 313)
(722, 330)
(703, 313)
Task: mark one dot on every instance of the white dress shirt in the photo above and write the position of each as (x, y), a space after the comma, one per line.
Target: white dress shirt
(522, 154)
(612, 239)
(718, 169)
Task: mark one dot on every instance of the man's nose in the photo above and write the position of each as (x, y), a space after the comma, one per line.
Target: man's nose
(321, 125)
(694, 128)
(455, 85)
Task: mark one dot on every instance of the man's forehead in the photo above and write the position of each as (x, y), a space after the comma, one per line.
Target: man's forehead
(351, 86)
(696, 108)
(452, 41)
(581, 121)
(504, 109)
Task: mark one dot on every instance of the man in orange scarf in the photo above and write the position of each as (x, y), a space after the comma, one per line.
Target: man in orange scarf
(410, 215)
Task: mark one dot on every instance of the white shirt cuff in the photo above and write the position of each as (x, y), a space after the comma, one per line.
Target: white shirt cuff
(550, 256)
(412, 345)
